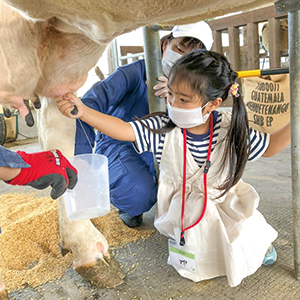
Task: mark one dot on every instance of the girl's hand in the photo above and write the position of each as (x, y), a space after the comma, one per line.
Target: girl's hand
(66, 105)
(162, 88)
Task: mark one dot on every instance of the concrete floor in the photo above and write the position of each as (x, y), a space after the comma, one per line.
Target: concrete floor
(153, 279)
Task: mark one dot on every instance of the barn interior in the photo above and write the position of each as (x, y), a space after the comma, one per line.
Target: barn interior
(148, 276)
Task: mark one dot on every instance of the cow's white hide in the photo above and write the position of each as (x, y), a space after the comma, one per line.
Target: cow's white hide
(37, 58)
(102, 20)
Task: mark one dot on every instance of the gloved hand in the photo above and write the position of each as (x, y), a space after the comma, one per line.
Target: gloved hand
(47, 168)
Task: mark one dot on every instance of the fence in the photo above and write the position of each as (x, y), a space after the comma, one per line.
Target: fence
(247, 54)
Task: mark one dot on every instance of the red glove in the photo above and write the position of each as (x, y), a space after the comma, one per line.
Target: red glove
(47, 168)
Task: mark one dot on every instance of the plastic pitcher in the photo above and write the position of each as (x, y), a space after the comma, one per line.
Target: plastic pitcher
(90, 197)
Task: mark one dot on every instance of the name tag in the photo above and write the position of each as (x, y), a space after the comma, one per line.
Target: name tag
(182, 257)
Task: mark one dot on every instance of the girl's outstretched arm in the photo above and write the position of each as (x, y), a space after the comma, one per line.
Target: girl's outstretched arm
(279, 140)
(111, 126)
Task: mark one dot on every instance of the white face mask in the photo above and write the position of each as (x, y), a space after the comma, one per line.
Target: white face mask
(187, 118)
(169, 61)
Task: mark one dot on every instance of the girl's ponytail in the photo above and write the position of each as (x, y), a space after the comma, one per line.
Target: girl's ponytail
(237, 144)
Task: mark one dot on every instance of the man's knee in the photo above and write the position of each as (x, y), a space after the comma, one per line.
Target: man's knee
(135, 197)
(133, 187)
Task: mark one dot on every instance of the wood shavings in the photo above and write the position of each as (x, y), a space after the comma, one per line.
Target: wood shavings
(29, 242)
(117, 233)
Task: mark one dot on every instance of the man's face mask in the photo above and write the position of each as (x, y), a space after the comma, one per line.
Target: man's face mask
(169, 61)
(187, 118)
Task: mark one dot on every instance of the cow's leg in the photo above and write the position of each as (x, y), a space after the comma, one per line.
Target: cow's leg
(3, 293)
(91, 256)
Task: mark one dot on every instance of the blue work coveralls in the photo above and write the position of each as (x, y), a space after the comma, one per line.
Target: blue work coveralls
(123, 95)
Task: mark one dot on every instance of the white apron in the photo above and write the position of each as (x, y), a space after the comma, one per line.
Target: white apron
(233, 236)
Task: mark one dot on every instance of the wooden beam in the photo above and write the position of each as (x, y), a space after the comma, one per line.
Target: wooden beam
(131, 49)
(274, 43)
(217, 45)
(253, 46)
(242, 19)
(234, 46)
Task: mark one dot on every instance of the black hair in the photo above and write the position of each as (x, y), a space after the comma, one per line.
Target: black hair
(210, 75)
(189, 42)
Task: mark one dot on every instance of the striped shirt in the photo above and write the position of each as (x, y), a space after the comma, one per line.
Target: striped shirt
(197, 144)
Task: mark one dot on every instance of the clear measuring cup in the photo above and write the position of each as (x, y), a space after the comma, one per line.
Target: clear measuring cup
(90, 197)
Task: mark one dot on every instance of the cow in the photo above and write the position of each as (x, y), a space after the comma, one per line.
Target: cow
(46, 50)
(29, 72)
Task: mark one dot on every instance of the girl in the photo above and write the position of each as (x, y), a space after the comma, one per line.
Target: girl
(203, 206)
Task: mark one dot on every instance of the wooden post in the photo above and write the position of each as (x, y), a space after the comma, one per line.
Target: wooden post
(252, 46)
(274, 43)
(234, 46)
(217, 45)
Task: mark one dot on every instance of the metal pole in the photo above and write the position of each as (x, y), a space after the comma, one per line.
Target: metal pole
(152, 52)
(294, 48)
(114, 54)
(257, 72)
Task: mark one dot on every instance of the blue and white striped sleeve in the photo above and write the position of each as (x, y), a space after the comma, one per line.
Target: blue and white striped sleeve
(146, 140)
(259, 143)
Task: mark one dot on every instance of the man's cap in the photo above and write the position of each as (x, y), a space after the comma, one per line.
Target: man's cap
(200, 31)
